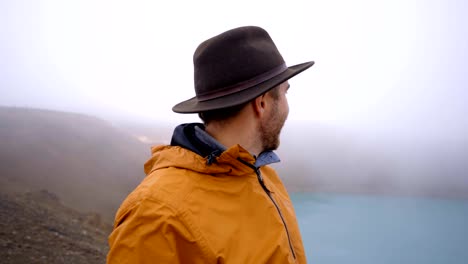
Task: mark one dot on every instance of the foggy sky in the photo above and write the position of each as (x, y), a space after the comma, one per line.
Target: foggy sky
(393, 68)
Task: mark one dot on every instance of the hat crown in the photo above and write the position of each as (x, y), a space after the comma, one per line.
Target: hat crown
(235, 58)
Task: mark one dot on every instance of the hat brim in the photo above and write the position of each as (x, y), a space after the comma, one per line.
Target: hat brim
(193, 105)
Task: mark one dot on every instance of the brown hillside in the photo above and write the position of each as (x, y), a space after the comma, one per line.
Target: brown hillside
(87, 162)
(37, 228)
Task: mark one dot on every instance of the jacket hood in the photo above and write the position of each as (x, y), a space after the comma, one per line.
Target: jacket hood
(185, 136)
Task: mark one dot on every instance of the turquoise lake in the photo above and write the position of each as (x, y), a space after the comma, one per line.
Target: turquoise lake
(381, 229)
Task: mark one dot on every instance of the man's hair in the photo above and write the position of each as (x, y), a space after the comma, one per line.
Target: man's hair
(221, 114)
(226, 113)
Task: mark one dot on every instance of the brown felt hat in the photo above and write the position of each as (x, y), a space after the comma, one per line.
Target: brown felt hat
(235, 67)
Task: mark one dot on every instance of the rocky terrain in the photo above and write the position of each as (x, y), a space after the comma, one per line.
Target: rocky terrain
(36, 227)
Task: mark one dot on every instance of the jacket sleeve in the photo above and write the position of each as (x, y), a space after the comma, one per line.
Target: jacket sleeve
(152, 232)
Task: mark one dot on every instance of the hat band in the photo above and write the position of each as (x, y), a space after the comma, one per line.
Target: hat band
(243, 85)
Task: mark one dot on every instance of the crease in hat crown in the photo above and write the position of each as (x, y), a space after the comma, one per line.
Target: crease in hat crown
(234, 67)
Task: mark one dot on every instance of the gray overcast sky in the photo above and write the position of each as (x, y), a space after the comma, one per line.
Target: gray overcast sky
(399, 65)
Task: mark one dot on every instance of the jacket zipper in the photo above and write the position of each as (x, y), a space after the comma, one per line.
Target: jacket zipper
(260, 180)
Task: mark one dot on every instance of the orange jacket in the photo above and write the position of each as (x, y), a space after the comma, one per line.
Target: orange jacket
(186, 211)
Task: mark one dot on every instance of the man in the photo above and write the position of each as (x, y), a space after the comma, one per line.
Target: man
(210, 197)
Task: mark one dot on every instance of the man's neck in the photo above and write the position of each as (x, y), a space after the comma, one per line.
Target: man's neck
(236, 132)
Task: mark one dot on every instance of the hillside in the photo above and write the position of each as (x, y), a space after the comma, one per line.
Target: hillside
(86, 161)
(36, 227)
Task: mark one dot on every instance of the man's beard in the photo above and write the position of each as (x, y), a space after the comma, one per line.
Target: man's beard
(270, 129)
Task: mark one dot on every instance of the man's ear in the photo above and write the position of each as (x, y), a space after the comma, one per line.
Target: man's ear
(259, 105)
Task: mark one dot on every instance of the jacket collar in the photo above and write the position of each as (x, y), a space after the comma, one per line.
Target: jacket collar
(194, 137)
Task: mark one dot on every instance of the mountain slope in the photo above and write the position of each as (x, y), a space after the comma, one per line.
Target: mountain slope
(87, 162)
(37, 228)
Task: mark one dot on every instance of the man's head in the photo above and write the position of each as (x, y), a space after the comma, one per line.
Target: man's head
(240, 74)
